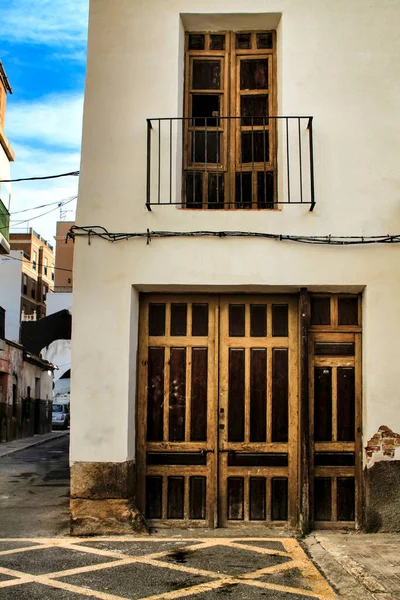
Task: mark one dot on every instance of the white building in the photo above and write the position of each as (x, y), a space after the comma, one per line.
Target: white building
(6, 157)
(203, 392)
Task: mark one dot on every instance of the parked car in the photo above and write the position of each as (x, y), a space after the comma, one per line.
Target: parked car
(61, 416)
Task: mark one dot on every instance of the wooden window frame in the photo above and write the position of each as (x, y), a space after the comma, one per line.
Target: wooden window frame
(230, 106)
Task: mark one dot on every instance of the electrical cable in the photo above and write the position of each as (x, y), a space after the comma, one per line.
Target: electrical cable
(60, 205)
(43, 205)
(8, 257)
(70, 174)
(103, 233)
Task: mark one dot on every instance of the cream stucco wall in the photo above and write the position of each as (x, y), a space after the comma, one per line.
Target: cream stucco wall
(336, 61)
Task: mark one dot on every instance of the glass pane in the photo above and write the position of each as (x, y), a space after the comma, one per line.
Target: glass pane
(206, 75)
(178, 319)
(264, 40)
(236, 395)
(217, 42)
(323, 404)
(346, 498)
(198, 421)
(320, 311)
(280, 395)
(177, 395)
(258, 395)
(243, 198)
(322, 499)
(279, 499)
(205, 105)
(236, 320)
(265, 189)
(258, 320)
(254, 106)
(197, 498)
(157, 319)
(254, 74)
(255, 147)
(280, 324)
(155, 395)
(200, 319)
(175, 497)
(346, 404)
(243, 41)
(257, 498)
(196, 41)
(206, 147)
(348, 311)
(215, 197)
(194, 189)
(235, 498)
(153, 497)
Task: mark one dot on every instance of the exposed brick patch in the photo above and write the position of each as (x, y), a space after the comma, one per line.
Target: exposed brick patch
(384, 442)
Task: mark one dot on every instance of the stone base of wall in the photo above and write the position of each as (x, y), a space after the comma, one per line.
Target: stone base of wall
(103, 499)
(382, 497)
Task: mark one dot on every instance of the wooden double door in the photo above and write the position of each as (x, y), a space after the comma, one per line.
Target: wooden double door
(218, 410)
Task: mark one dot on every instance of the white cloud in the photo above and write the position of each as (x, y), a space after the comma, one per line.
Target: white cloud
(51, 22)
(54, 120)
(45, 136)
(31, 162)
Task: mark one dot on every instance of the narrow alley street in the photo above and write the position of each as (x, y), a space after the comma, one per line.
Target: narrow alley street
(34, 491)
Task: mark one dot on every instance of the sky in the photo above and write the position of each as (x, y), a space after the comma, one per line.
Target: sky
(43, 51)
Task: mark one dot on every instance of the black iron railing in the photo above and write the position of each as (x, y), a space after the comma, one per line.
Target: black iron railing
(219, 162)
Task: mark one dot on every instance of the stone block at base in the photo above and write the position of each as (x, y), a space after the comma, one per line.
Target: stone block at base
(105, 517)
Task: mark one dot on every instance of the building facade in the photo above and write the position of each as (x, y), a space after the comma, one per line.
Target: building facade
(64, 258)
(38, 273)
(237, 217)
(6, 157)
(26, 383)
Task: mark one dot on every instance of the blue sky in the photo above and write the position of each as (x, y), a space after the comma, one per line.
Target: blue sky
(43, 50)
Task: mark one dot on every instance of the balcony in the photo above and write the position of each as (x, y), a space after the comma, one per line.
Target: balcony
(4, 229)
(246, 162)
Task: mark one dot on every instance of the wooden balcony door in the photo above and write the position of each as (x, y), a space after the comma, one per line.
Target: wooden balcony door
(218, 410)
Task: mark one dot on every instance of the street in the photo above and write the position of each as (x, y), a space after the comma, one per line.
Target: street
(34, 491)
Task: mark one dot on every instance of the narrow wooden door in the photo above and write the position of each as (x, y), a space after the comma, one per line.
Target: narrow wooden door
(335, 411)
(176, 425)
(258, 411)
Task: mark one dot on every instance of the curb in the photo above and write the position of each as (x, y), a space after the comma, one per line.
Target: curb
(59, 435)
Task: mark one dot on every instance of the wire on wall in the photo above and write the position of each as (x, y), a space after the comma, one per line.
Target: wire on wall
(331, 240)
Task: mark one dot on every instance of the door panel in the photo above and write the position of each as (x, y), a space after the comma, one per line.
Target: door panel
(258, 412)
(176, 411)
(335, 411)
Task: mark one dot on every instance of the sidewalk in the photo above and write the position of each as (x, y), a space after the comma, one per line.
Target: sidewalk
(359, 566)
(10, 447)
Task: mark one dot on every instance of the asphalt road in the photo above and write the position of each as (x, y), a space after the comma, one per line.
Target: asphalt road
(34, 491)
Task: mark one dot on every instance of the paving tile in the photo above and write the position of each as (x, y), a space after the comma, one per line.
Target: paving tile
(36, 591)
(224, 559)
(12, 544)
(247, 592)
(136, 580)
(138, 548)
(290, 578)
(49, 560)
(270, 545)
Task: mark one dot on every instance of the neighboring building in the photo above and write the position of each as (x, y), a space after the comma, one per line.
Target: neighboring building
(59, 350)
(240, 376)
(25, 390)
(6, 157)
(11, 278)
(64, 258)
(37, 272)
